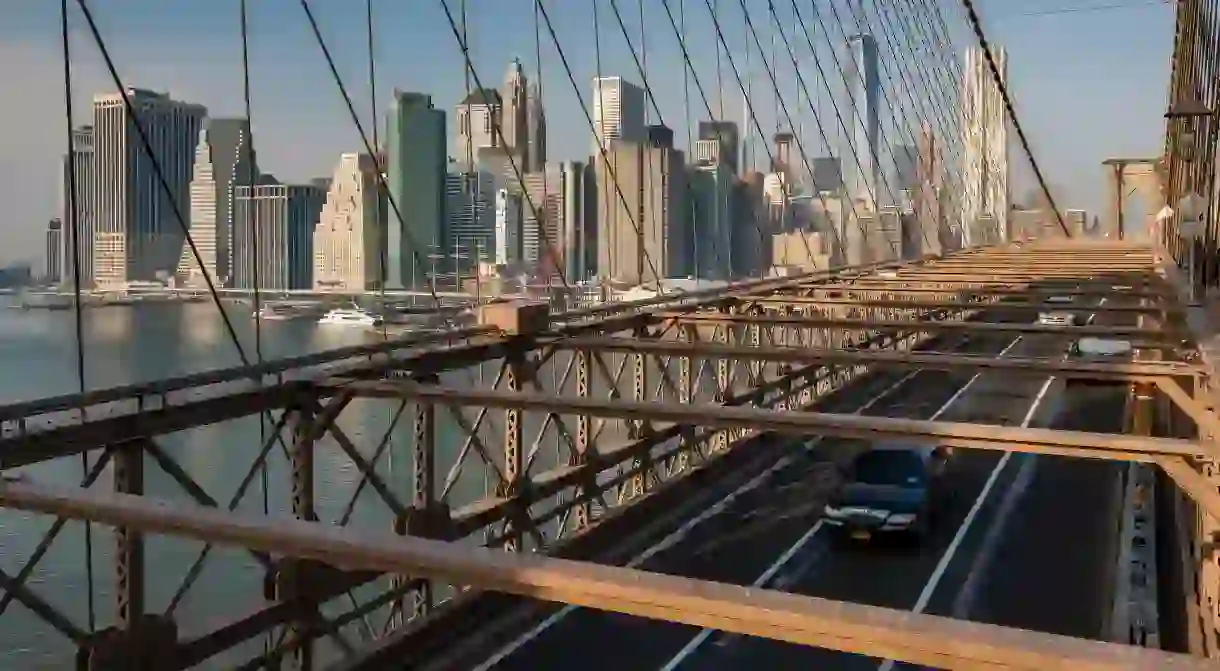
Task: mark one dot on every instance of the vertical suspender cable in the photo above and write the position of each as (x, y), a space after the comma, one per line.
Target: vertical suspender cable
(73, 231)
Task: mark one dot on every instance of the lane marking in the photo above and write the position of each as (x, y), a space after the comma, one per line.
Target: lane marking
(675, 537)
(939, 572)
(693, 645)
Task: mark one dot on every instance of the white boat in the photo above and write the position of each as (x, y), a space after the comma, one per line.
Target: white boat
(352, 316)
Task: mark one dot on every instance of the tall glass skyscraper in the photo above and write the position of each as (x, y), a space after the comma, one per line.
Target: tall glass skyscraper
(863, 93)
(417, 166)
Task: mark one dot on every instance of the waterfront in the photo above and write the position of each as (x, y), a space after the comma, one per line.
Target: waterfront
(150, 342)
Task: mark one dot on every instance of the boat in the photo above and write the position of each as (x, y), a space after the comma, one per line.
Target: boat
(273, 313)
(353, 316)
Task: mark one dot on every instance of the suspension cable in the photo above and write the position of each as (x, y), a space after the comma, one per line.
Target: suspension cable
(998, 79)
(73, 231)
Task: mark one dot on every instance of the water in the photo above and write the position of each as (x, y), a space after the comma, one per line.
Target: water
(134, 344)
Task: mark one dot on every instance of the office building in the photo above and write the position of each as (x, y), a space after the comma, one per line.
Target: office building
(642, 226)
(535, 120)
(985, 188)
(726, 140)
(139, 225)
(906, 167)
(711, 193)
(78, 225)
(827, 175)
(348, 239)
(417, 165)
(514, 110)
(863, 93)
(273, 234)
(470, 201)
(54, 252)
(618, 112)
(557, 230)
(508, 227)
(223, 160)
(476, 119)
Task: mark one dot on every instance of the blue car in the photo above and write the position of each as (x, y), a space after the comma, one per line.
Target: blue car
(891, 488)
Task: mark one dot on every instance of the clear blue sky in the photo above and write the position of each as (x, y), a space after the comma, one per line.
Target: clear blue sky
(1089, 85)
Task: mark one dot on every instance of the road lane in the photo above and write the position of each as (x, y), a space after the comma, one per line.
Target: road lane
(736, 546)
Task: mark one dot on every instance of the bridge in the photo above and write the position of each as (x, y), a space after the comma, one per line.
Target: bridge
(656, 484)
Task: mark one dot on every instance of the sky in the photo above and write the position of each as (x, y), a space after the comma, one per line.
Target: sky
(1088, 85)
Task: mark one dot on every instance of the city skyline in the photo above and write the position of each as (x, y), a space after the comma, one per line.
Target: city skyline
(323, 158)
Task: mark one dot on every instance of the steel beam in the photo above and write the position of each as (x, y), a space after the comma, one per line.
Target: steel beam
(931, 306)
(928, 325)
(949, 434)
(848, 627)
(1116, 371)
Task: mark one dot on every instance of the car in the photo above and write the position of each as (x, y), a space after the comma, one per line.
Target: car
(1057, 318)
(1099, 350)
(892, 488)
(1061, 300)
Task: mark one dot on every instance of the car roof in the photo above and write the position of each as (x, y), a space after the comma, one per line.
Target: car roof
(895, 445)
(1103, 346)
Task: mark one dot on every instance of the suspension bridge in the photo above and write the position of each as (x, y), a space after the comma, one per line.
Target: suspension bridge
(657, 484)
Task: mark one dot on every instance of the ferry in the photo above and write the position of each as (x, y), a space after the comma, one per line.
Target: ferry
(353, 316)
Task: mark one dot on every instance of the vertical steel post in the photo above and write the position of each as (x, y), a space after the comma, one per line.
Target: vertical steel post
(302, 464)
(583, 434)
(517, 377)
(637, 430)
(424, 484)
(129, 555)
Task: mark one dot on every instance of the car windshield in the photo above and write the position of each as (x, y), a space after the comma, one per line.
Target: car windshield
(901, 468)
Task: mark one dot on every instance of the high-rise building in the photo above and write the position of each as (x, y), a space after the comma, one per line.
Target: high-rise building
(514, 111)
(642, 225)
(223, 160)
(726, 135)
(350, 232)
(477, 118)
(273, 234)
(711, 190)
(417, 166)
(508, 227)
(618, 112)
(139, 227)
(78, 225)
(827, 174)
(535, 116)
(557, 230)
(54, 252)
(985, 188)
(470, 201)
(863, 93)
(906, 166)
(934, 235)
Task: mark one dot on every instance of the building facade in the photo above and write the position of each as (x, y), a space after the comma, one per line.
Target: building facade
(508, 227)
(54, 252)
(139, 224)
(477, 118)
(985, 171)
(863, 95)
(273, 234)
(417, 165)
(224, 159)
(348, 240)
(618, 112)
(642, 224)
(711, 191)
(470, 210)
(78, 225)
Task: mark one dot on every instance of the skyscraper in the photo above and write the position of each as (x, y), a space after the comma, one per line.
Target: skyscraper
(985, 189)
(508, 227)
(536, 124)
(726, 134)
(933, 234)
(78, 226)
(828, 174)
(350, 232)
(641, 236)
(139, 228)
(618, 112)
(223, 160)
(54, 251)
(906, 160)
(478, 115)
(470, 201)
(514, 112)
(417, 165)
(863, 93)
(273, 234)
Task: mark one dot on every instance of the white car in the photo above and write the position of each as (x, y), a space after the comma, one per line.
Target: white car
(1057, 319)
(1060, 300)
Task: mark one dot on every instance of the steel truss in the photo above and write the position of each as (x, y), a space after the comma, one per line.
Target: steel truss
(586, 459)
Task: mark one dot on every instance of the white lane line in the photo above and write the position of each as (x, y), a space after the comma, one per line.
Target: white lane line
(693, 645)
(926, 595)
(673, 538)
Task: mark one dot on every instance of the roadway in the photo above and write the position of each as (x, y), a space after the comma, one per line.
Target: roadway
(996, 554)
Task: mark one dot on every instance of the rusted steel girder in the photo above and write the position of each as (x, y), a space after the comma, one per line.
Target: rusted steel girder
(950, 434)
(930, 306)
(1116, 371)
(848, 627)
